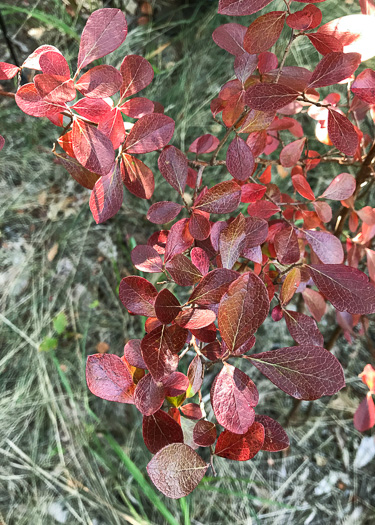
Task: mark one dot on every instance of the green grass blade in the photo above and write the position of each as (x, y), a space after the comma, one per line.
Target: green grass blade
(184, 503)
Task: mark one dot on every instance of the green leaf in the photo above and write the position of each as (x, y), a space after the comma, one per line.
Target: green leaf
(49, 343)
(60, 322)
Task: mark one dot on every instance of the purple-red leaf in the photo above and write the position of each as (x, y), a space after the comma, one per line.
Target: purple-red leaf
(158, 353)
(342, 133)
(200, 259)
(364, 86)
(164, 211)
(233, 396)
(94, 110)
(173, 165)
(137, 73)
(92, 148)
(175, 384)
(264, 32)
(303, 329)
(148, 395)
(342, 187)
(195, 318)
(291, 153)
(326, 246)
(100, 82)
(222, 198)
(191, 411)
(105, 31)
(204, 144)
(179, 239)
(150, 133)
(305, 372)
(138, 295)
(334, 68)
(160, 430)
(84, 177)
(241, 7)
(146, 259)
(213, 286)
(240, 160)
(275, 437)
(315, 303)
(183, 271)
(204, 433)
(176, 470)
(241, 447)
(286, 246)
(113, 128)
(108, 377)
(269, 97)
(230, 37)
(137, 177)
(256, 232)
(137, 107)
(107, 195)
(132, 353)
(231, 241)
(167, 306)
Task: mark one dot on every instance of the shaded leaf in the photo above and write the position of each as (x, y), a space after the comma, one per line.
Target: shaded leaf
(291, 153)
(230, 37)
(275, 437)
(173, 165)
(303, 329)
(231, 241)
(364, 417)
(99, 82)
(221, 198)
(137, 107)
(195, 318)
(107, 195)
(191, 411)
(148, 395)
(199, 225)
(132, 353)
(113, 127)
(138, 295)
(364, 86)
(200, 259)
(213, 286)
(204, 144)
(167, 306)
(204, 433)
(183, 271)
(160, 430)
(315, 303)
(84, 177)
(323, 210)
(158, 353)
(92, 148)
(179, 239)
(262, 209)
(175, 384)
(146, 259)
(240, 160)
(162, 212)
(241, 447)
(195, 375)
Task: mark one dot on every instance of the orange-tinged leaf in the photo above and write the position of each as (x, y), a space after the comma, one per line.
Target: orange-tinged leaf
(364, 417)
(92, 148)
(290, 285)
(241, 447)
(137, 177)
(368, 377)
(301, 185)
(264, 32)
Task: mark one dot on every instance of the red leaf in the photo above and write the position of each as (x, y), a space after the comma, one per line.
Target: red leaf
(214, 351)
(291, 153)
(179, 239)
(267, 62)
(241, 447)
(137, 73)
(325, 44)
(176, 470)
(345, 287)
(241, 7)
(269, 97)
(150, 133)
(2, 142)
(230, 37)
(162, 212)
(132, 353)
(204, 433)
(84, 177)
(308, 18)
(204, 144)
(191, 411)
(92, 148)
(244, 66)
(8, 71)
(315, 303)
(32, 61)
(264, 32)
(242, 310)
(342, 133)
(326, 246)
(364, 86)
(212, 287)
(233, 396)
(138, 295)
(275, 437)
(286, 246)
(262, 209)
(173, 165)
(113, 128)
(323, 210)
(195, 375)
(304, 372)
(148, 395)
(240, 160)
(252, 192)
(199, 225)
(137, 177)
(200, 259)
(183, 271)
(137, 107)
(195, 318)
(175, 384)
(107, 195)
(109, 378)
(100, 82)
(303, 329)
(158, 353)
(364, 417)
(231, 241)
(222, 198)
(334, 68)
(301, 185)
(31, 102)
(95, 110)
(53, 63)
(160, 430)
(167, 306)
(105, 31)
(146, 259)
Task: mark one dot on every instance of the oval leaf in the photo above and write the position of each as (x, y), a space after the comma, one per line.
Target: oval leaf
(241, 447)
(108, 377)
(160, 430)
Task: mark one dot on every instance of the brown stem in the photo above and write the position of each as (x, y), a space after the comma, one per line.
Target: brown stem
(293, 36)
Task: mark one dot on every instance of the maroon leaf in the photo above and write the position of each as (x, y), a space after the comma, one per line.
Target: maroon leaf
(231, 241)
(342, 187)
(146, 259)
(150, 133)
(212, 287)
(333, 68)
(240, 160)
(195, 375)
(214, 351)
(303, 329)
(264, 32)
(53, 63)
(269, 97)
(183, 271)
(160, 430)
(233, 396)
(8, 71)
(345, 287)
(326, 246)
(195, 318)
(222, 198)
(29, 100)
(158, 353)
(308, 18)
(109, 378)
(173, 165)
(138, 295)
(167, 306)
(364, 417)
(325, 44)
(162, 212)
(241, 447)
(199, 225)
(100, 82)
(137, 73)
(256, 232)
(204, 144)
(137, 177)
(191, 411)
(230, 37)
(342, 133)
(286, 246)
(275, 437)
(132, 353)
(94, 110)
(84, 177)
(177, 337)
(175, 384)
(244, 66)
(305, 372)
(105, 31)
(243, 308)
(113, 128)
(137, 107)
(267, 62)
(92, 148)
(107, 195)
(179, 239)
(241, 7)
(148, 395)
(176, 470)
(291, 153)
(204, 433)
(364, 86)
